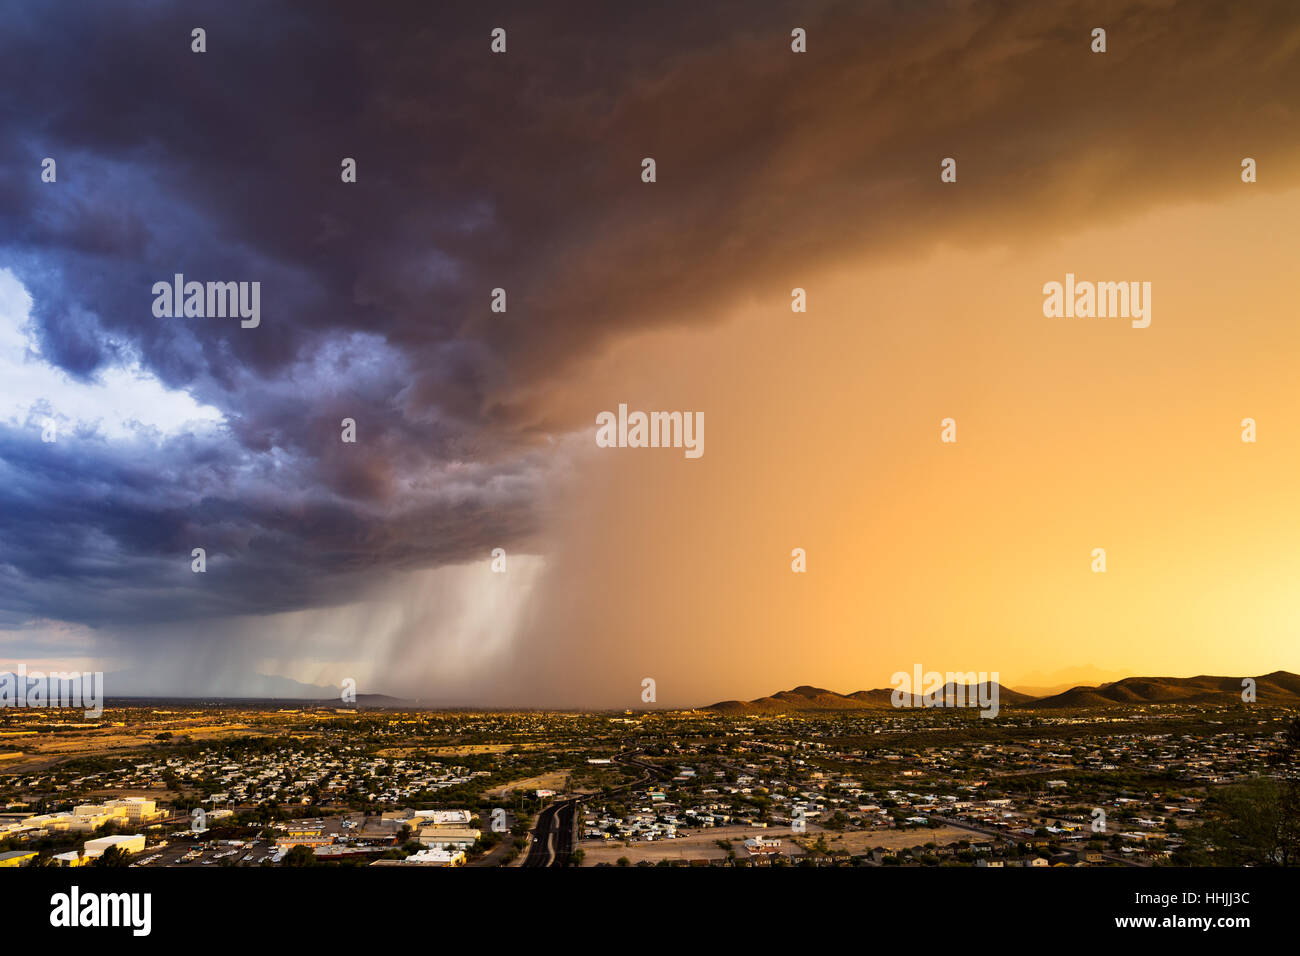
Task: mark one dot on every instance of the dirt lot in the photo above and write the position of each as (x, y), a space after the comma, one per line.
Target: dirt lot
(558, 780)
(452, 751)
(45, 750)
(860, 842)
(694, 845)
(703, 844)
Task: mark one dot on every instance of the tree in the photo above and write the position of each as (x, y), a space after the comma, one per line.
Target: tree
(1256, 822)
(1253, 823)
(113, 856)
(299, 855)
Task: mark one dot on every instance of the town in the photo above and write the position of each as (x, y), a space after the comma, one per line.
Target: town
(271, 783)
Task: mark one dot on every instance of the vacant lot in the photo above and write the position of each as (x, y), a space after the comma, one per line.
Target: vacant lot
(860, 842)
(48, 749)
(556, 780)
(703, 844)
(693, 845)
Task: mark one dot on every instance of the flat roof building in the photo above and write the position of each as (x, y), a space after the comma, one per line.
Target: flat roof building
(132, 843)
(448, 836)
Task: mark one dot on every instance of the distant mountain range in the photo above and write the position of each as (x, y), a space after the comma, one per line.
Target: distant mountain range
(1275, 688)
(243, 686)
(1279, 687)
(136, 685)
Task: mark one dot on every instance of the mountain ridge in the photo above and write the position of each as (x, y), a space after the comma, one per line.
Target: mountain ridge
(1277, 687)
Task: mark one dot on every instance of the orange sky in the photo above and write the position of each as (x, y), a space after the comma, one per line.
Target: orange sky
(775, 170)
(823, 433)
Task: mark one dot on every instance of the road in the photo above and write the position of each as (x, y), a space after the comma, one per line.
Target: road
(551, 842)
(554, 835)
(539, 841)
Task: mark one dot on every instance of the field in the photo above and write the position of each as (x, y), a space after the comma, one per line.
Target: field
(556, 780)
(703, 845)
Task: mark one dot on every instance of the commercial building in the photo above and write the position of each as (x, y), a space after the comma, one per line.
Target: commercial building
(437, 856)
(133, 843)
(448, 836)
(299, 835)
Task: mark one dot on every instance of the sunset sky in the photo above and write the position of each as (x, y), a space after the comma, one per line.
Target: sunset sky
(775, 170)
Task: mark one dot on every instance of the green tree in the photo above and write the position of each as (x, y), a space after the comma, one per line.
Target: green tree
(299, 855)
(113, 856)
(1256, 822)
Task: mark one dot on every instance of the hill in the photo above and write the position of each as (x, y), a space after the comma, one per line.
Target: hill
(808, 698)
(1277, 687)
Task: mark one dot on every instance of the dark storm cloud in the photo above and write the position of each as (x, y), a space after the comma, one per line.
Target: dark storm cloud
(101, 532)
(519, 171)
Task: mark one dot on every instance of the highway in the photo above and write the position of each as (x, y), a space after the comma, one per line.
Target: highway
(540, 852)
(554, 835)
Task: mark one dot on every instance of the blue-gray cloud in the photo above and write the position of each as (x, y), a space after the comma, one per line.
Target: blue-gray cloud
(519, 171)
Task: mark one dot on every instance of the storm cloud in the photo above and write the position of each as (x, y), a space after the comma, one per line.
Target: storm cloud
(519, 171)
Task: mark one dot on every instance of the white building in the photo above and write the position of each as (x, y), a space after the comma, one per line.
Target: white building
(442, 818)
(437, 856)
(127, 844)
